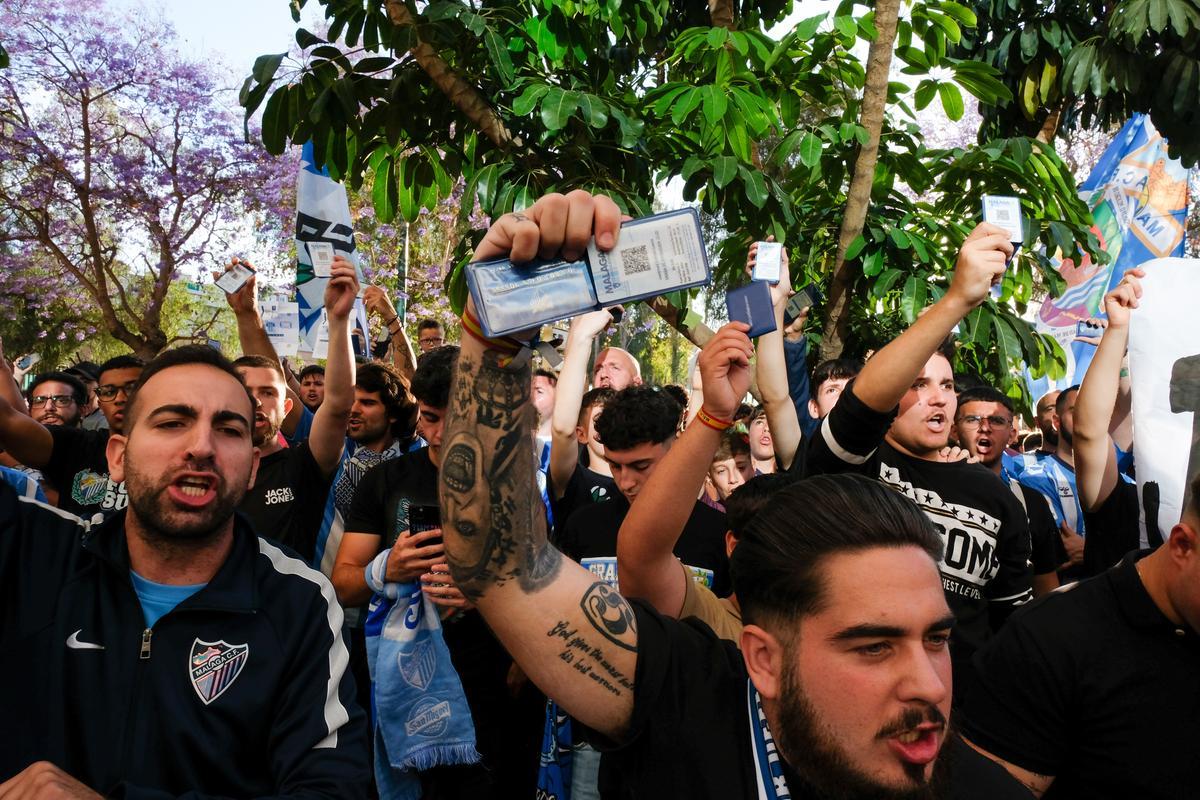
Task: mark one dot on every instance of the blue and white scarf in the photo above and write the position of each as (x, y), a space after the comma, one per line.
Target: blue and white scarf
(421, 715)
(768, 768)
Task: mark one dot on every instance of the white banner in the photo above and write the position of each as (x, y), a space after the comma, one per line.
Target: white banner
(1164, 368)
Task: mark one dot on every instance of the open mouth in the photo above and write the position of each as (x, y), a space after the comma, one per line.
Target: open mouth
(984, 444)
(193, 489)
(936, 422)
(919, 745)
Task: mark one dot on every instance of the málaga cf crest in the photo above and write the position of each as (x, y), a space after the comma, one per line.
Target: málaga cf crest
(214, 666)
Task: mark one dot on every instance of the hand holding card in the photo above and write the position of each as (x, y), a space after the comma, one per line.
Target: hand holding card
(320, 254)
(235, 277)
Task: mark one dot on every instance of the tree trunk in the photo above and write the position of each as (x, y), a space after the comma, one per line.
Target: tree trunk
(465, 97)
(879, 62)
(1050, 126)
(721, 13)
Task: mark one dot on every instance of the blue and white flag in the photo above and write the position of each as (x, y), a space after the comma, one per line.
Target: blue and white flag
(322, 215)
(1138, 197)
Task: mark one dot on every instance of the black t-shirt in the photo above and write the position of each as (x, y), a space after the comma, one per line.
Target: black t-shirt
(1094, 685)
(386, 492)
(1112, 529)
(288, 500)
(583, 488)
(78, 468)
(1043, 530)
(986, 564)
(590, 537)
(380, 507)
(689, 735)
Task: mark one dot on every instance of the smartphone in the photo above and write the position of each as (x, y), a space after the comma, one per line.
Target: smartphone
(235, 278)
(320, 254)
(768, 263)
(807, 297)
(1085, 328)
(25, 362)
(425, 518)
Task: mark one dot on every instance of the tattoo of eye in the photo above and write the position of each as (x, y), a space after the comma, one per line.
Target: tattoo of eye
(608, 613)
(458, 470)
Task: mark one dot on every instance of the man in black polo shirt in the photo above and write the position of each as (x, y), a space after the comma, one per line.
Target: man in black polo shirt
(1092, 691)
(287, 501)
(72, 459)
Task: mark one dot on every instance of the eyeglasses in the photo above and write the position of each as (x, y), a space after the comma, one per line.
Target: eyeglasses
(59, 400)
(995, 421)
(108, 391)
(431, 340)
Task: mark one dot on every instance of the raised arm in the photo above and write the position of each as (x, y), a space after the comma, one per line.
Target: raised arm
(891, 371)
(10, 388)
(25, 440)
(568, 396)
(328, 436)
(403, 356)
(771, 371)
(1095, 457)
(645, 558)
(574, 637)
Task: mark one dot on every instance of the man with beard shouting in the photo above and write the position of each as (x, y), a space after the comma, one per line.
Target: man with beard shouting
(842, 686)
(169, 650)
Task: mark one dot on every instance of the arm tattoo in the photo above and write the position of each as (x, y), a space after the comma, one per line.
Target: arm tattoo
(492, 510)
(589, 659)
(610, 615)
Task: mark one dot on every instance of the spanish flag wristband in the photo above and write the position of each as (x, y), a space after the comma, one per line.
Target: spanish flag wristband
(712, 422)
(506, 345)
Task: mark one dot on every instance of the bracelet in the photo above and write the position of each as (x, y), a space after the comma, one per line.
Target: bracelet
(388, 324)
(712, 422)
(506, 345)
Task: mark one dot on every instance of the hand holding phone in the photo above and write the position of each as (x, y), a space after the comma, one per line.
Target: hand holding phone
(800, 302)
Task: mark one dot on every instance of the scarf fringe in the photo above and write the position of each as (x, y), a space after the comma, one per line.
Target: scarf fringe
(439, 755)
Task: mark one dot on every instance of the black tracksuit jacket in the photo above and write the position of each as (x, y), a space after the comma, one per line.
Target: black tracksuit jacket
(86, 685)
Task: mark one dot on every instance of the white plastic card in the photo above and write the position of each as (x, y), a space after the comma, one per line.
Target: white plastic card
(1004, 212)
(233, 280)
(768, 262)
(321, 256)
(654, 255)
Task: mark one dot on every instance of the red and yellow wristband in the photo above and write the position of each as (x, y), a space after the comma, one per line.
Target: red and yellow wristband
(713, 422)
(506, 344)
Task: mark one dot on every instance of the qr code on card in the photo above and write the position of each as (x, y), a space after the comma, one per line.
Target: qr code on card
(1001, 214)
(635, 260)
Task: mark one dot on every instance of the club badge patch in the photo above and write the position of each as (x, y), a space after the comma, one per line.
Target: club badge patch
(214, 666)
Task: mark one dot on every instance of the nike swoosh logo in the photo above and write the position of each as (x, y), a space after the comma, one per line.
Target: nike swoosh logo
(74, 643)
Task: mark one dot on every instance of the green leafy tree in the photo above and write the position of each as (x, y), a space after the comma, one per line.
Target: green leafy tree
(771, 136)
(1091, 65)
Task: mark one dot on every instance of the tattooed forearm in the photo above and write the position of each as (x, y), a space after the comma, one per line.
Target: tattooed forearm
(494, 521)
(590, 659)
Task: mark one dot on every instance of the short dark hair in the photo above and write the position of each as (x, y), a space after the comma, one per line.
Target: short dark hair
(127, 361)
(431, 381)
(254, 361)
(1060, 403)
(835, 369)
(547, 374)
(776, 567)
(759, 412)
(180, 356)
(753, 496)
(985, 394)
(1196, 495)
(637, 415)
(947, 349)
(311, 369)
(79, 390)
(427, 323)
(389, 384)
(600, 396)
(678, 392)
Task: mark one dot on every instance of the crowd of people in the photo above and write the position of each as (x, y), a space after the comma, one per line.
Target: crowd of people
(446, 572)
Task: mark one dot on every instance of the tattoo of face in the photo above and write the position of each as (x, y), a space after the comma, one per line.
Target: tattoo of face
(466, 509)
(608, 613)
